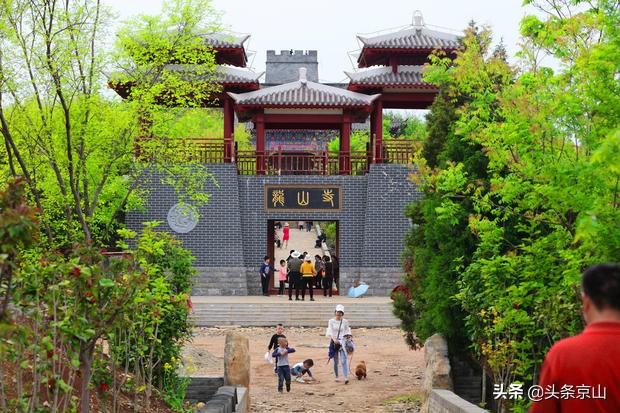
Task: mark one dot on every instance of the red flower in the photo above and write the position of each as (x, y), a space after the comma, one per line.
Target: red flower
(76, 271)
(103, 387)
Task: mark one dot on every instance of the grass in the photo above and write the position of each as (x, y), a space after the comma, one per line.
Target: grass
(409, 398)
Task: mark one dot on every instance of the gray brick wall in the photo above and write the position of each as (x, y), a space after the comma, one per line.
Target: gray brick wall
(284, 67)
(230, 238)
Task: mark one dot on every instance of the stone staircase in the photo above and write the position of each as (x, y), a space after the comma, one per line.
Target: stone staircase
(360, 313)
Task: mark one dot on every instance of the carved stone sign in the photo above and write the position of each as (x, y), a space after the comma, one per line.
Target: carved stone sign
(319, 198)
(182, 218)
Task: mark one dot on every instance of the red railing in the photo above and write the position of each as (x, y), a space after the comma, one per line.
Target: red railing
(400, 151)
(300, 163)
(204, 150)
(281, 162)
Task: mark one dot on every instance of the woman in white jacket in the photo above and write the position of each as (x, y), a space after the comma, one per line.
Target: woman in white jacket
(337, 328)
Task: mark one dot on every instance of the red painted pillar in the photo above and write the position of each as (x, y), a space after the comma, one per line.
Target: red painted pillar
(345, 145)
(229, 125)
(378, 131)
(259, 124)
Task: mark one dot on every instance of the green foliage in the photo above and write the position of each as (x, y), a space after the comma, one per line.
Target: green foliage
(520, 174)
(136, 302)
(330, 233)
(359, 139)
(397, 126)
(151, 342)
(73, 145)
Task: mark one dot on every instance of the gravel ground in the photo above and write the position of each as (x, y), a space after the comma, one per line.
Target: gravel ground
(394, 372)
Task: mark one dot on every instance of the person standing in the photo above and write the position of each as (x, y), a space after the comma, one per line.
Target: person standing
(337, 328)
(318, 268)
(294, 275)
(273, 343)
(286, 235)
(265, 270)
(589, 361)
(328, 278)
(307, 277)
(336, 270)
(300, 225)
(282, 275)
(282, 364)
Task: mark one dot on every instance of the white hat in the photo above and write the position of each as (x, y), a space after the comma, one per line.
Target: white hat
(286, 224)
(296, 254)
(340, 307)
(308, 258)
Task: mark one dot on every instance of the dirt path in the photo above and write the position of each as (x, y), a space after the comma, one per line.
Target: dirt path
(393, 370)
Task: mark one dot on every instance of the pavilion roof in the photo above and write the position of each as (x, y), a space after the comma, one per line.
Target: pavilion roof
(413, 37)
(225, 41)
(303, 93)
(385, 76)
(224, 74)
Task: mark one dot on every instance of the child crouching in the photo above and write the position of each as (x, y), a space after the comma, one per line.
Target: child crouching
(300, 369)
(282, 365)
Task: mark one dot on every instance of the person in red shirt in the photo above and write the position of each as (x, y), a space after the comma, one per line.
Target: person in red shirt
(581, 374)
(286, 235)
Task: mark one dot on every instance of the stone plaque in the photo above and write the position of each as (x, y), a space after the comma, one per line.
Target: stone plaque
(182, 218)
(319, 198)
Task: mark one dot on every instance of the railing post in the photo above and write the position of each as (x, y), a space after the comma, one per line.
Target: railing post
(279, 159)
(325, 163)
(368, 156)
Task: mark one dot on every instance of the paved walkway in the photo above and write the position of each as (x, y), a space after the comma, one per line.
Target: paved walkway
(300, 241)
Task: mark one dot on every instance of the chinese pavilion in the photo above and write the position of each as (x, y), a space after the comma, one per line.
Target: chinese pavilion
(400, 56)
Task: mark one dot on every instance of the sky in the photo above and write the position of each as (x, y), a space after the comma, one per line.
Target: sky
(330, 26)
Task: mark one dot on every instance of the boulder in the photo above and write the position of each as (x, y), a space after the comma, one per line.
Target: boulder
(437, 367)
(236, 360)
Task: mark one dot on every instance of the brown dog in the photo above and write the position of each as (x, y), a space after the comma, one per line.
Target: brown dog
(360, 370)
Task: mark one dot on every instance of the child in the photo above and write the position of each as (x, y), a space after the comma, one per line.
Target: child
(282, 273)
(284, 369)
(273, 343)
(300, 369)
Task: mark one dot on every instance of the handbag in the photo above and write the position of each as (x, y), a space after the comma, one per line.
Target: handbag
(337, 345)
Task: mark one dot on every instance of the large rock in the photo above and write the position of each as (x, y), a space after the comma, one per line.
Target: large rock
(437, 370)
(237, 360)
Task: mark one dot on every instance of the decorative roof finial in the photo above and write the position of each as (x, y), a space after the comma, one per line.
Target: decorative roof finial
(302, 75)
(418, 21)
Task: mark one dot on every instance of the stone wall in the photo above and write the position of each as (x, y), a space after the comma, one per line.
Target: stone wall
(202, 388)
(230, 237)
(284, 67)
(444, 401)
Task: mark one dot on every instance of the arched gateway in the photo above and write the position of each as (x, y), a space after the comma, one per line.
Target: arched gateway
(364, 192)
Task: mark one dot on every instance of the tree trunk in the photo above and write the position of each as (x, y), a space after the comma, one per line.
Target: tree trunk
(86, 362)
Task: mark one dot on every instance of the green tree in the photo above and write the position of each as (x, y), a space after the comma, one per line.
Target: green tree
(73, 145)
(543, 204)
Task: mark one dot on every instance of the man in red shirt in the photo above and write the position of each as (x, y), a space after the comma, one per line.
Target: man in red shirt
(581, 374)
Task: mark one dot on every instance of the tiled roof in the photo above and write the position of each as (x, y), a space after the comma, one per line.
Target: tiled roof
(303, 93)
(405, 76)
(223, 74)
(225, 41)
(412, 38)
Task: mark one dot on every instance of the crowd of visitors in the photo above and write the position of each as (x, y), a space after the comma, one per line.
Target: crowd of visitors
(300, 272)
(303, 273)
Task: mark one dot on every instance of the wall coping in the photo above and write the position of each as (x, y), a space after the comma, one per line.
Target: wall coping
(452, 403)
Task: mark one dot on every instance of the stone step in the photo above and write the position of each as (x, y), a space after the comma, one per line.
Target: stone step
(303, 314)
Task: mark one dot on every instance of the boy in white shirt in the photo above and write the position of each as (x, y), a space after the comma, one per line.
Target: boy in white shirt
(300, 369)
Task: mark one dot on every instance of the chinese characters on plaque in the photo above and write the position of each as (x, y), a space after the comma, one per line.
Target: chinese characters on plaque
(302, 198)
